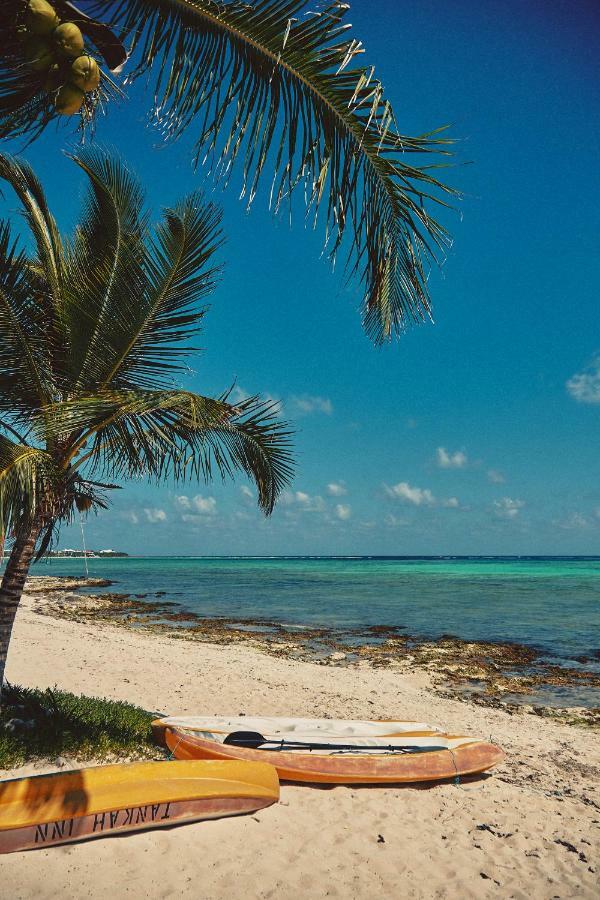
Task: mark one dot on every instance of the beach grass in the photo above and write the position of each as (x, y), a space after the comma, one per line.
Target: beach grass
(37, 724)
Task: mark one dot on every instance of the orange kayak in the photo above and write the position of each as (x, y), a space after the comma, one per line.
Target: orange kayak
(450, 756)
(44, 810)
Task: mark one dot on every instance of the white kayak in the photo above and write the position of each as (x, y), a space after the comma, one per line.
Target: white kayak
(378, 736)
(332, 751)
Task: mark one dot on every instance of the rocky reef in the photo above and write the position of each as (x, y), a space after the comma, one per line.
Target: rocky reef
(515, 676)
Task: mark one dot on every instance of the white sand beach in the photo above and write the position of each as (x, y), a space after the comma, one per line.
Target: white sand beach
(529, 830)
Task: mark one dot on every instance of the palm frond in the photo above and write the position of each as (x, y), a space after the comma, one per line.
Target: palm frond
(26, 476)
(85, 325)
(26, 379)
(105, 264)
(176, 434)
(274, 83)
(178, 278)
(42, 225)
(132, 296)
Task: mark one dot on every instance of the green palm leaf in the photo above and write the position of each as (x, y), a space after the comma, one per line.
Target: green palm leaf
(177, 434)
(275, 85)
(26, 380)
(106, 276)
(92, 330)
(92, 327)
(141, 289)
(274, 82)
(40, 221)
(27, 476)
(148, 286)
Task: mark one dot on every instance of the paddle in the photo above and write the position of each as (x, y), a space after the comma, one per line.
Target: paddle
(253, 740)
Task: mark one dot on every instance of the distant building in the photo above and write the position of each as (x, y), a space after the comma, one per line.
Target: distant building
(90, 554)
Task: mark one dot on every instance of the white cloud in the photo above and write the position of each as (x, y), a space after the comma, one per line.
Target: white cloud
(575, 522)
(508, 508)
(447, 460)
(451, 503)
(155, 515)
(303, 501)
(306, 404)
(130, 516)
(392, 521)
(585, 386)
(309, 502)
(202, 522)
(404, 491)
(246, 492)
(495, 476)
(343, 511)
(206, 506)
(337, 489)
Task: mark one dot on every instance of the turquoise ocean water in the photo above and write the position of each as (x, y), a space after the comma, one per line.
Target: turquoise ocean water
(550, 603)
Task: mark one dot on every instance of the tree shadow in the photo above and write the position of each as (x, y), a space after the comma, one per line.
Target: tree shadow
(39, 794)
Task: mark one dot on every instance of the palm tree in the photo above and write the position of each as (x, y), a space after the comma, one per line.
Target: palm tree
(93, 330)
(275, 84)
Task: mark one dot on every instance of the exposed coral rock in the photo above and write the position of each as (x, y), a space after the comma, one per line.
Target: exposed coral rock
(484, 672)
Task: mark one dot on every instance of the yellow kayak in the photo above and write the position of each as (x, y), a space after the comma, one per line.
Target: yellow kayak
(44, 810)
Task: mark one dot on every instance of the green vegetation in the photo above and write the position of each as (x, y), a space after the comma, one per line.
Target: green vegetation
(94, 332)
(276, 86)
(45, 724)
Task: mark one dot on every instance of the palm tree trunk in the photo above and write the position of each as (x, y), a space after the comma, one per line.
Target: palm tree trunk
(12, 586)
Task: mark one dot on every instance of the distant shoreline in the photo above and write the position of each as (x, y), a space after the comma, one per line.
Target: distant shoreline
(541, 557)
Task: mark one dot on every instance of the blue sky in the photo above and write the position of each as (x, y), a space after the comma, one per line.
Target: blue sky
(478, 434)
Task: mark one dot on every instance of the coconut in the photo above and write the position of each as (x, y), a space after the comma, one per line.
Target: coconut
(85, 73)
(39, 53)
(69, 100)
(41, 17)
(69, 39)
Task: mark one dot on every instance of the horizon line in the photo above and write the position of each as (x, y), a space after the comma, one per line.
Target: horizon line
(349, 556)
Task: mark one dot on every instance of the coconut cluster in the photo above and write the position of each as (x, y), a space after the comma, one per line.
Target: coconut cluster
(58, 49)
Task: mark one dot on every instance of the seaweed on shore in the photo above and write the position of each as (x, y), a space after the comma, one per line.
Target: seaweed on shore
(487, 672)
